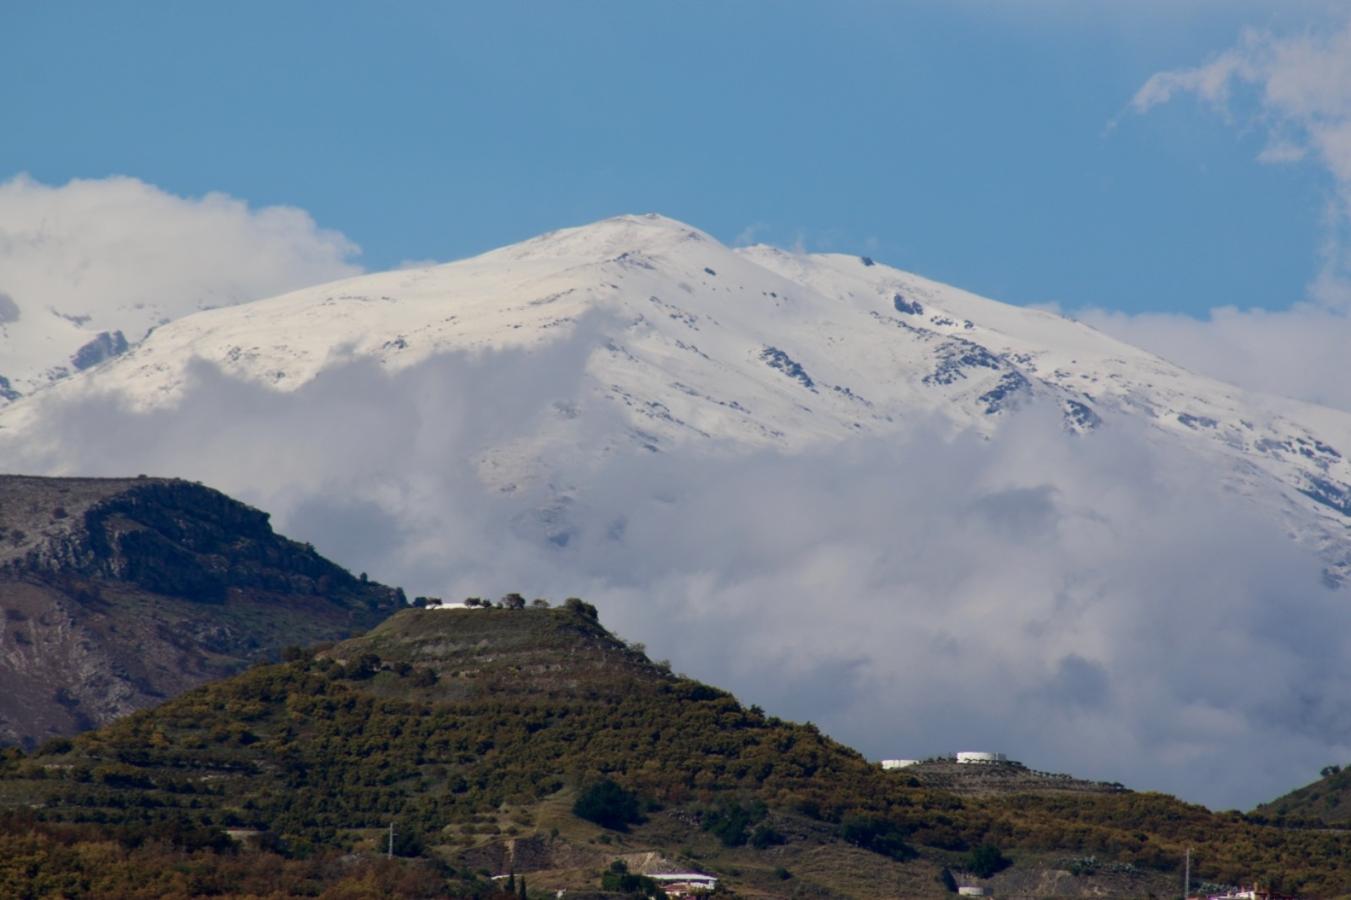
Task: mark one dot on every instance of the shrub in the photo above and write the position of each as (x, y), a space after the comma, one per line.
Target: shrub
(764, 836)
(986, 860)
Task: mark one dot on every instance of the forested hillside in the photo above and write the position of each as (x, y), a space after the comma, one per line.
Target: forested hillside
(532, 742)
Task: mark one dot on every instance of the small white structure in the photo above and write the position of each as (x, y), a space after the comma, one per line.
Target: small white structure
(980, 757)
(898, 763)
(970, 891)
(680, 883)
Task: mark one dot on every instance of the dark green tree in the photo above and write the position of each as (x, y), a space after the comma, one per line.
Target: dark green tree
(608, 805)
(581, 608)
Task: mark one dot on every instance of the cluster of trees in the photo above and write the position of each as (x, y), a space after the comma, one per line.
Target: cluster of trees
(731, 822)
(878, 834)
(43, 859)
(514, 601)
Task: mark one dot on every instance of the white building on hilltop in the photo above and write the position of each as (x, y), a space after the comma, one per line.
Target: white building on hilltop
(898, 763)
(980, 757)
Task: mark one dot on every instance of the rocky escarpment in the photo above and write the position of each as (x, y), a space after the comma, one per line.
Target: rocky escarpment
(119, 593)
(167, 536)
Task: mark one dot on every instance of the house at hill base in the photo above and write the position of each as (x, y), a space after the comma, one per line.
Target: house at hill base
(1253, 892)
(685, 884)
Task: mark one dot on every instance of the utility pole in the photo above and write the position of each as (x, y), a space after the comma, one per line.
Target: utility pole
(391, 840)
(1186, 878)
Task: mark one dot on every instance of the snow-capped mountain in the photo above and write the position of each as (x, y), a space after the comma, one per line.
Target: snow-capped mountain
(704, 347)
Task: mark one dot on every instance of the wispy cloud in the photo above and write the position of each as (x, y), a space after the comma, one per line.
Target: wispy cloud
(1297, 90)
(1294, 90)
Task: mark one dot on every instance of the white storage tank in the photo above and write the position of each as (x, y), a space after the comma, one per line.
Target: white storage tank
(980, 756)
(898, 763)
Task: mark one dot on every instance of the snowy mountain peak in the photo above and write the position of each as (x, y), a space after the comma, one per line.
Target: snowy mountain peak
(701, 348)
(648, 232)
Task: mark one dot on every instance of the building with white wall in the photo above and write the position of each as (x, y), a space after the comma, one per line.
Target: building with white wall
(898, 763)
(980, 756)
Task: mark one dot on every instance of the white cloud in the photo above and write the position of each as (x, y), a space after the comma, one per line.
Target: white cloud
(1091, 605)
(119, 254)
(746, 236)
(1297, 89)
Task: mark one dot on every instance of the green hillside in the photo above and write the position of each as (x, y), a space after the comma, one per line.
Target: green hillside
(480, 734)
(1325, 801)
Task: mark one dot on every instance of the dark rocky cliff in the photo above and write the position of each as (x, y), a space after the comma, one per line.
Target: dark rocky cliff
(119, 593)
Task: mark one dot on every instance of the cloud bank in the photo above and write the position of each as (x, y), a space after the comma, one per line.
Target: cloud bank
(1092, 605)
(1300, 352)
(119, 254)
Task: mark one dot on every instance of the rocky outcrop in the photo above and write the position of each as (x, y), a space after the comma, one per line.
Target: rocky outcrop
(118, 593)
(103, 347)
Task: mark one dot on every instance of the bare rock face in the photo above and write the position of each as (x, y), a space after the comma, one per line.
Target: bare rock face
(105, 346)
(116, 594)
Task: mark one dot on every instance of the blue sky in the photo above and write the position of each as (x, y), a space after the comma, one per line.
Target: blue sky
(968, 145)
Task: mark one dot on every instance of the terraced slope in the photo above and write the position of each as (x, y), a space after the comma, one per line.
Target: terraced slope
(475, 733)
